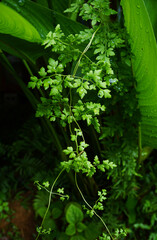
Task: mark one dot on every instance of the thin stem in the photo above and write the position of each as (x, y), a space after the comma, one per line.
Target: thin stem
(31, 74)
(84, 51)
(92, 208)
(53, 193)
(49, 202)
(67, 44)
(33, 101)
(27, 67)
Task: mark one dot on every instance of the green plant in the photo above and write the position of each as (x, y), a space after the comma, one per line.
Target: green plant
(69, 100)
(74, 217)
(146, 87)
(90, 112)
(4, 210)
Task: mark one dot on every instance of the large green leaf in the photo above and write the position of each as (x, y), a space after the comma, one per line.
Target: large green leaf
(22, 48)
(39, 18)
(144, 64)
(151, 6)
(42, 18)
(14, 24)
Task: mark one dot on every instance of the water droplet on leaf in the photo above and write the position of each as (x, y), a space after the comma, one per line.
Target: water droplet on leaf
(138, 12)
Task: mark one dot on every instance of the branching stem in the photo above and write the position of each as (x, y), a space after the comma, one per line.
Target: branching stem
(92, 207)
(49, 201)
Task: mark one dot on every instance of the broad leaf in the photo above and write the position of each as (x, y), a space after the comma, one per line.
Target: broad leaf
(44, 19)
(71, 229)
(144, 64)
(21, 48)
(151, 6)
(74, 214)
(14, 24)
(60, 5)
(39, 18)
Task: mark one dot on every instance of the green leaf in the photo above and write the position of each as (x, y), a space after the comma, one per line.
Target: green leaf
(16, 25)
(47, 83)
(54, 91)
(44, 19)
(78, 237)
(144, 64)
(92, 232)
(74, 214)
(49, 223)
(41, 211)
(60, 5)
(107, 93)
(68, 150)
(82, 92)
(32, 85)
(81, 227)
(151, 8)
(42, 72)
(21, 48)
(70, 230)
(40, 18)
(56, 212)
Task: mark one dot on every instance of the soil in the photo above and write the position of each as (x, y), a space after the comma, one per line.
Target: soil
(22, 218)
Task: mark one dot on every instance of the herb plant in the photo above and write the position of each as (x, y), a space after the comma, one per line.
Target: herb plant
(89, 109)
(79, 86)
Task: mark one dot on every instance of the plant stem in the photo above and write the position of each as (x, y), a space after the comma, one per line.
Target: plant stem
(84, 51)
(49, 202)
(92, 208)
(24, 88)
(31, 74)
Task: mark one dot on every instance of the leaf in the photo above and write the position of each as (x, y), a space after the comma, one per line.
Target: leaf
(144, 64)
(42, 72)
(74, 214)
(70, 230)
(81, 227)
(44, 19)
(47, 83)
(82, 91)
(49, 223)
(54, 91)
(16, 25)
(56, 212)
(92, 232)
(21, 48)
(60, 5)
(32, 85)
(78, 237)
(151, 6)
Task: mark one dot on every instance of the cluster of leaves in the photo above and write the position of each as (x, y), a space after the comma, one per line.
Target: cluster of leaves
(69, 94)
(88, 82)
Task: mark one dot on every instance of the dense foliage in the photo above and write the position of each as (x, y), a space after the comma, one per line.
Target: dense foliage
(83, 150)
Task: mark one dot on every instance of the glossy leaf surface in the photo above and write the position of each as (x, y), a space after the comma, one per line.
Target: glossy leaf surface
(44, 19)
(144, 64)
(39, 18)
(16, 25)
